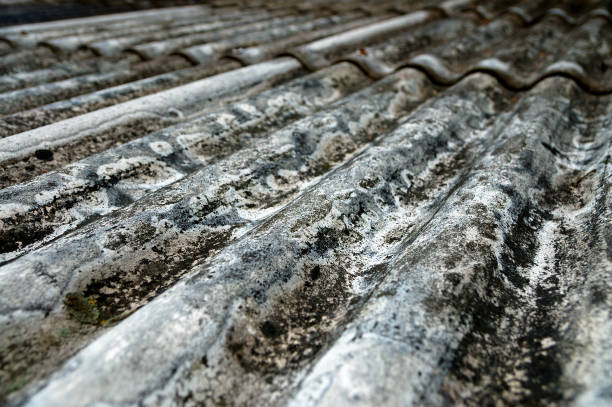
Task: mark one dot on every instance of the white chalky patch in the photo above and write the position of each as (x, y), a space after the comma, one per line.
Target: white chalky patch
(161, 147)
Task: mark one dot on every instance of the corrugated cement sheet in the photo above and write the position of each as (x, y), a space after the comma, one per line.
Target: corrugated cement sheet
(376, 203)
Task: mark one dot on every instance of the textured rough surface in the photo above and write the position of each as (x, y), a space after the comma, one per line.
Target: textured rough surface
(307, 204)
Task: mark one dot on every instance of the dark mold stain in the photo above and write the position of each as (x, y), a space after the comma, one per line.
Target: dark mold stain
(521, 241)
(44, 154)
(299, 324)
(123, 291)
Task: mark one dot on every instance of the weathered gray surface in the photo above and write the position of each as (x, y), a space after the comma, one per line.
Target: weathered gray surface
(79, 136)
(365, 234)
(63, 200)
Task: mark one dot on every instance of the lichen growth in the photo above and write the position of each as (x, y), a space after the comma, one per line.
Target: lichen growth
(64, 333)
(82, 308)
(16, 384)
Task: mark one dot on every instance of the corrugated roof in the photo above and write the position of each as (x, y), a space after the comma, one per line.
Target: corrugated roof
(355, 203)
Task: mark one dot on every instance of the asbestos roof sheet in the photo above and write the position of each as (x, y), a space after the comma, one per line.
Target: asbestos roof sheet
(307, 204)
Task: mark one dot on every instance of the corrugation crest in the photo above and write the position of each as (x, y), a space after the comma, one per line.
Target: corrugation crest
(250, 202)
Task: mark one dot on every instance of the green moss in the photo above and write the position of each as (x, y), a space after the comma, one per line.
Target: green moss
(16, 384)
(81, 308)
(63, 333)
